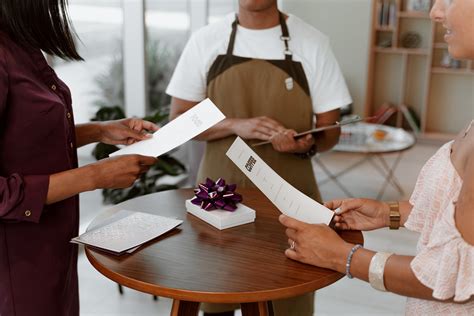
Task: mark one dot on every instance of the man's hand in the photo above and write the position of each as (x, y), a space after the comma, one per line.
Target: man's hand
(286, 143)
(262, 128)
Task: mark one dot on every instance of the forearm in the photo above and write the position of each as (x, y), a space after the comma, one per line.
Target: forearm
(398, 276)
(405, 209)
(88, 133)
(65, 184)
(220, 130)
(327, 139)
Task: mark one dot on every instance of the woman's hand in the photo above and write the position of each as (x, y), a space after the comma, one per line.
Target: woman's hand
(360, 214)
(110, 173)
(121, 171)
(126, 131)
(285, 142)
(317, 245)
(262, 128)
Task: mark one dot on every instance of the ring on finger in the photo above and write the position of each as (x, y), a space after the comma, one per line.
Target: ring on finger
(292, 245)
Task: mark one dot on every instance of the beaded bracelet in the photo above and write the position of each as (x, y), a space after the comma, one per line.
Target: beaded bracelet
(349, 260)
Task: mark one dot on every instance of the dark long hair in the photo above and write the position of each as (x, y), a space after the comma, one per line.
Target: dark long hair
(40, 24)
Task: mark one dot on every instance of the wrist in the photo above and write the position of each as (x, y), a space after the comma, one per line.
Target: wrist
(90, 175)
(340, 260)
(231, 124)
(98, 129)
(386, 214)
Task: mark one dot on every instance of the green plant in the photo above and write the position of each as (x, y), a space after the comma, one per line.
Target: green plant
(160, 63)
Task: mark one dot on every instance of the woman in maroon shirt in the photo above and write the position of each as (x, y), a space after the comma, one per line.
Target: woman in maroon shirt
(39, 176)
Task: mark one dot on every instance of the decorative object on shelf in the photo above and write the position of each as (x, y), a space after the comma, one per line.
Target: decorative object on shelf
(418, 5)
(212, 195)
(411, 40)
(449, 62)
(385, 43)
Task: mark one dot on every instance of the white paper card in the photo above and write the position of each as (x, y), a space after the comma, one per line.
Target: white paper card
(180, 130)
(128, 232)
(286, 198)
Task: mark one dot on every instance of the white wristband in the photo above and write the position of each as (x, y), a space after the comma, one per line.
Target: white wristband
(376, 270)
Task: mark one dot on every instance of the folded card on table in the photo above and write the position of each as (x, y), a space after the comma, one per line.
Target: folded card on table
(127, 231)
(286, 198)
(180, 130)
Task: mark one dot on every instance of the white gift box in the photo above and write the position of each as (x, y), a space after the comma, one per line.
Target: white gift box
(222, 219)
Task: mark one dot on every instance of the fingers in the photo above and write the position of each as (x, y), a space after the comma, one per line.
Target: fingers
(349, 205)
(149, 126)
(343, 205)
(264, 132)
(304, 144)
(146, 161)
(139, 125)
(285, 142)
(291, 233)
(332, 205)
(138, 129)
(272, 124)
(291, 222)
(342, 225)
(291, 253)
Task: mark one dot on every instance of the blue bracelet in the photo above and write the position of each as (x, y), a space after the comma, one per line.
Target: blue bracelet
(349, 260)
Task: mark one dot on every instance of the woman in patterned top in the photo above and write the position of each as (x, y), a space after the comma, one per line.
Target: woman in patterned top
(440, 278)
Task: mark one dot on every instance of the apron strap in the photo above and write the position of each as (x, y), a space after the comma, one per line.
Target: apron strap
(285, 37)
(230, 48)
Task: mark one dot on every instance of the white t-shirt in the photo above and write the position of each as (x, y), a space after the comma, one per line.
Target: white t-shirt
(309, 46)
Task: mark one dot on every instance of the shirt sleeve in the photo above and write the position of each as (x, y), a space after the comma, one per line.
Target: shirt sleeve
(329, 90)
(21, 198)
(189, 78)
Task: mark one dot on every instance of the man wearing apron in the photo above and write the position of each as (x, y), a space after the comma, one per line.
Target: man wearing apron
(269, 73)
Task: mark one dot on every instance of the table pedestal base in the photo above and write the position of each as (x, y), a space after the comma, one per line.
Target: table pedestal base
(185, 308)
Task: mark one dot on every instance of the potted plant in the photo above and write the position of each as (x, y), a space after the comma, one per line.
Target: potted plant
(160, 62)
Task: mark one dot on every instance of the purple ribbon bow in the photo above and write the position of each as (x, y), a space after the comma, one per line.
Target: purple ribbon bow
(216, 195)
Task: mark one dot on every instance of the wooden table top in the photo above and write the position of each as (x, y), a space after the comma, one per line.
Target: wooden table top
(199, 263)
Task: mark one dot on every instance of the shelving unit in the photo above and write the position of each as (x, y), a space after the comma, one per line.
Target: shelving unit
(442, 98)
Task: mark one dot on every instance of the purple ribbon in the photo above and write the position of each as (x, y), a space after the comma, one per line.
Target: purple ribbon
(216, 195)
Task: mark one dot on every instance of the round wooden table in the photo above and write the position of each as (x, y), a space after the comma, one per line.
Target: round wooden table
(199, 263)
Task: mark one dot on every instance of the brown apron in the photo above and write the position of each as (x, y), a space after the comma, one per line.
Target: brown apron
(245, 88)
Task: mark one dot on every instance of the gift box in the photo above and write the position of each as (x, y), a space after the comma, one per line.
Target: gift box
(218, 204)
(222, 219)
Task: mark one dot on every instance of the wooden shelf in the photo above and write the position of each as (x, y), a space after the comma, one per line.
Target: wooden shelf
(385, 28)
(460, 71)
(411, 78)
(440, 45)
(409, 51)
(413, 15)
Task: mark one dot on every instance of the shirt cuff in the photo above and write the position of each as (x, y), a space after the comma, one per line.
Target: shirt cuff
(185, 95)
(332, 105)
(35, 192)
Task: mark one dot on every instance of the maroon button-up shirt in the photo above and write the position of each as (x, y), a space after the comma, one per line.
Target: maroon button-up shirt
(38, 265)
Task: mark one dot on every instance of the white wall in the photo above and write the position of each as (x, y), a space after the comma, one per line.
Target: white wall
(347, 23)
